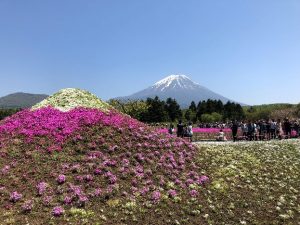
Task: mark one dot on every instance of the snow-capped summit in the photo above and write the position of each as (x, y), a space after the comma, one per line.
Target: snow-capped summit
(175, 81)
(180, 87)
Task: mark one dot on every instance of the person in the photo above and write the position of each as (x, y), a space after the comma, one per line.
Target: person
(287, 128)
(171, 129)
(296, 128)
(250, 131)
(268, 128)
(190, 131)
(180, 130)
(234, 129)
(244, 129)
(262, 127)
(221, 136)
(273, 129)
(256, 129)
(279, 130)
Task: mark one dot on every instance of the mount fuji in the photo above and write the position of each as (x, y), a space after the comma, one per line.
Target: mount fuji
(180, 87)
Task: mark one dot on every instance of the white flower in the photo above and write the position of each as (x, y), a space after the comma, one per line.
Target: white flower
(70, 98)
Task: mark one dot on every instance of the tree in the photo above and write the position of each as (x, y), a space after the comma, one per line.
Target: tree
(233, 111)
(298, 110)
(201, 109)
(187, 115)
(193, 107)
(219, 107)
(190, 115)
(217, 117)
(7, 112)
(210, 106)
(173, 109)
(156, 111)
(133, 108)
(207, 118)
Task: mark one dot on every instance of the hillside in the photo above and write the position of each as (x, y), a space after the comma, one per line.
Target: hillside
(21, 100)
(271, 111)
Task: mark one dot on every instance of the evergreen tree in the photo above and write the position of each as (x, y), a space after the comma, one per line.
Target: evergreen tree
(187, 114)
(233, 111)
(173, 109)
(209, 106)
(156, 111)
(193, 107)
(201, 109)
(219, 107)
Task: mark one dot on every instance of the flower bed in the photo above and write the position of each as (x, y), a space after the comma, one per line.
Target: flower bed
(252, 182)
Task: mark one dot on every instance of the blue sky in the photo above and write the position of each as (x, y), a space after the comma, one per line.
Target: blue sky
(247, 50)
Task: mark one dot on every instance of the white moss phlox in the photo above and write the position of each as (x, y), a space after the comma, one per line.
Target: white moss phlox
(70, 98)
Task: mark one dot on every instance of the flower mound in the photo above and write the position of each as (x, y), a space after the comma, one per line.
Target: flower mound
(92, 163)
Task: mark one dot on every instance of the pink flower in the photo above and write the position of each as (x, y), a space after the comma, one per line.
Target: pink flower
(203, 179)
(42, 188)
(97, 171)
(15, 196)
(61, 179)
(155, 197)
(68, 200)
(194, 193)
(97, 192)
(82, 200)
(47, 200)
(89, 178)
(172, 193)
(58, 211)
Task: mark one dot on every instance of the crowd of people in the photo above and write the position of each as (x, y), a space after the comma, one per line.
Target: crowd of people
(245, 130)
(183, 130)
(265, 129)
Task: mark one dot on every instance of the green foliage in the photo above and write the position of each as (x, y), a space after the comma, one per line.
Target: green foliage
(156, 111)
(173, 109)
(233, 111)
(298, 110)
(207, 118)
(133, 108)
(190, 115)
(276, 111)
(213, 117)
(217, 117)
(7, 112)
(229, 111)
(151, 110)
(193, 107)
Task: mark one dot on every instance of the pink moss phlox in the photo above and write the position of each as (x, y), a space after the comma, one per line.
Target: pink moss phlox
(15, 196)
(58, 211)
(61, 179)
(156, 196)
(58, 126)
(41, 188)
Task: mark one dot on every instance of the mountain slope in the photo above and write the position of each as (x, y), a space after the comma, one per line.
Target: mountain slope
(21, 100)
(180, 87)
